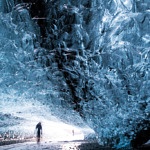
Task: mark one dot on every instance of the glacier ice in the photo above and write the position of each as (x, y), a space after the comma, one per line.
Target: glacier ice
(88, 56)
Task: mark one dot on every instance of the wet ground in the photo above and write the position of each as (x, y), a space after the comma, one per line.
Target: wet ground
(62, 145)
(65, 145)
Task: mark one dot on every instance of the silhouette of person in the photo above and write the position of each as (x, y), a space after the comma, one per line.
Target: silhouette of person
(73, 132)
(38, 131)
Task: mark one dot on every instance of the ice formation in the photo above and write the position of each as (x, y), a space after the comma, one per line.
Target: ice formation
(91, 56)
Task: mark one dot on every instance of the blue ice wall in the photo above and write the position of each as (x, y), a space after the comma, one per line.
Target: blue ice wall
(94, 59)
(104, 53)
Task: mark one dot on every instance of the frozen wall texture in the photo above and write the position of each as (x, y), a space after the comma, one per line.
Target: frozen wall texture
(92, 56)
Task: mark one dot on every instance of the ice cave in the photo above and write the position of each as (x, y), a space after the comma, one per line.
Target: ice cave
(80, 65)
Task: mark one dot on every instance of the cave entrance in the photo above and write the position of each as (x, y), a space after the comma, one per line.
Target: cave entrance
(26, 114)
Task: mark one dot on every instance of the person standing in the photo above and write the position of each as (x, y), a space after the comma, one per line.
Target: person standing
(38, 131)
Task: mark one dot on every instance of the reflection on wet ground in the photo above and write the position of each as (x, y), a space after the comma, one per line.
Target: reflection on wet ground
(62, 145)
(65, 145)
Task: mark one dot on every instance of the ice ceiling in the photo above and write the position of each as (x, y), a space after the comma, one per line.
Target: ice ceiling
(76, 59)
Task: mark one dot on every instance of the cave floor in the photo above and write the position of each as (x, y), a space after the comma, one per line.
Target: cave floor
(62, 145)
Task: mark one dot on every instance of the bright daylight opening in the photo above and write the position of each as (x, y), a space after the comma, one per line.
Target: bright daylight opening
(58, 131)
(53, 129)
